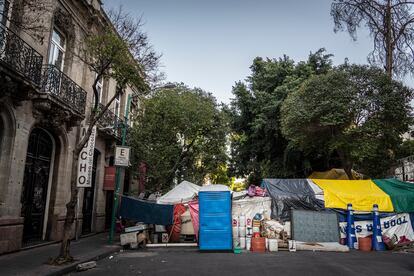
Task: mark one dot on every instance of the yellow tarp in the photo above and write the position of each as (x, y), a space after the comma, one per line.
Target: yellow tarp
(361, 193)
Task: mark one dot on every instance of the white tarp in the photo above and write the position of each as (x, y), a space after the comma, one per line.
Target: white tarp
(182, 193)
(398, 225)
(316, 189)
(251, 206)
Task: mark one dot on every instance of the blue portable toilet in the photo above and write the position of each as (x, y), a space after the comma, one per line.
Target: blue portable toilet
(215, 218)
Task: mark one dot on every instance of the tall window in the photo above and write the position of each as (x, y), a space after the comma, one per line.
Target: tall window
(4, 11)
(117, 106)
(57, 49)
(99, 88)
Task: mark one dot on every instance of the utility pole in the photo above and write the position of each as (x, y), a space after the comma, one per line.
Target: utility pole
(118, 173)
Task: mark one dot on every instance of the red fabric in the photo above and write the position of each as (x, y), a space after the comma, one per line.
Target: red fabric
(179, 209)
(194, 215)
(109, 178)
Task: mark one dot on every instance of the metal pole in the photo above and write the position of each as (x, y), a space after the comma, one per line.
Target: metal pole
(119, 171)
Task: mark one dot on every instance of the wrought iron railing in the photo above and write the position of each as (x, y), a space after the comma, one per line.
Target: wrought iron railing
(19, 56)
(111, 122)
(63, 88)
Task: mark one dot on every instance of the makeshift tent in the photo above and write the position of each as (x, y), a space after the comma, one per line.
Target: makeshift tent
(362, 194)
(290, 194)
(146, 212)
(179, 209)
(401, 193)
(182, 193)
(194, 212)
(250, 206)
(334, 174)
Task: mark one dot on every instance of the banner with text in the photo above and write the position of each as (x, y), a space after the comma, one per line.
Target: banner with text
(398, 227)
(84, 179)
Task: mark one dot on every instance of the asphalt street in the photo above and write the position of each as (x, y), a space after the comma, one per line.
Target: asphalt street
(193, 262)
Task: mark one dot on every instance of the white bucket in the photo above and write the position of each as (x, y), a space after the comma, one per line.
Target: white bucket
(242, 221)
(292, 245)
(273, 245)
(235, 221)
(236, 242)
(248, 243)
(242, 243)
(242, 231)
(235, 231)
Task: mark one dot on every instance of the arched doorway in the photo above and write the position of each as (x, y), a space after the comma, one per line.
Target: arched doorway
(35, 184)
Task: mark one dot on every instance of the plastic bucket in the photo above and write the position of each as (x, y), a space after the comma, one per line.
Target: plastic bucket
(273, 245)
(242, 221)
(242, 243)
(235, 221)
(248, 243)
(236, 242)
(242, 231)
(365, 244)
(235, 231)
(258, 244)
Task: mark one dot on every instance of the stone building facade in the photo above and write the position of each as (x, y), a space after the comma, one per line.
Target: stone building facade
(45, 95)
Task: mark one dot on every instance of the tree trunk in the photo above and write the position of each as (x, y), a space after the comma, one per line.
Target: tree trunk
(388, 41)
(64, 255)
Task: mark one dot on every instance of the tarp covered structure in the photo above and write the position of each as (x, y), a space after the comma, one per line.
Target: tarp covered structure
(145, 211)
(182, 193)
(401, 193)
(362, 194)
(290, 194)
(334, 174)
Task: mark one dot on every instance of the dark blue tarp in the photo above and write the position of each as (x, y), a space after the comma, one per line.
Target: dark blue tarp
(288, 194)
(146, 212)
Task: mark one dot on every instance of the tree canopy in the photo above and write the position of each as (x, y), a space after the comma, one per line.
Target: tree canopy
(180, 134)
(353, 111)
(258, 147)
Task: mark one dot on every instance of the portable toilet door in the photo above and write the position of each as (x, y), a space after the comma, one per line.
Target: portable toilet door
(215, 231)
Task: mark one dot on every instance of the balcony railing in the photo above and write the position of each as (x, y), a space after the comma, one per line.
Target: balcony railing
(111, 122)
(63, 88)
(19, 56)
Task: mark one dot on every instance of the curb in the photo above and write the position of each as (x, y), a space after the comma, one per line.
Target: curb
(72, 267)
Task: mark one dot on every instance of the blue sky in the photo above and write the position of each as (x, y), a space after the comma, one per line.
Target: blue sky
(211, 43)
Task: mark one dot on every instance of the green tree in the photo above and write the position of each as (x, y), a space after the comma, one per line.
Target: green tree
(391, 25)
(258, 147)
(355, 112)
(181, 134)
(107, 54)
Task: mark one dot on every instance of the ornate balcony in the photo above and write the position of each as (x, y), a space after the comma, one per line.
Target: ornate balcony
(63, 89)
(18, 56)
(111, 123)
(56, 98)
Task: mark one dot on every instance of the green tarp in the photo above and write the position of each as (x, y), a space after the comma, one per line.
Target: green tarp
(401, 194)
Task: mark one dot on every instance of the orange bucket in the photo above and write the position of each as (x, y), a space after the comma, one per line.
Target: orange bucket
(258, 244)
(365, 244)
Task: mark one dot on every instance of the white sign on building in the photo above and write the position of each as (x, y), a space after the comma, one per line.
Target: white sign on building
(85, 164)
(122, 156)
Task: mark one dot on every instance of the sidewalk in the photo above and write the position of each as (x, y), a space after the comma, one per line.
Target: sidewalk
(34, 261)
